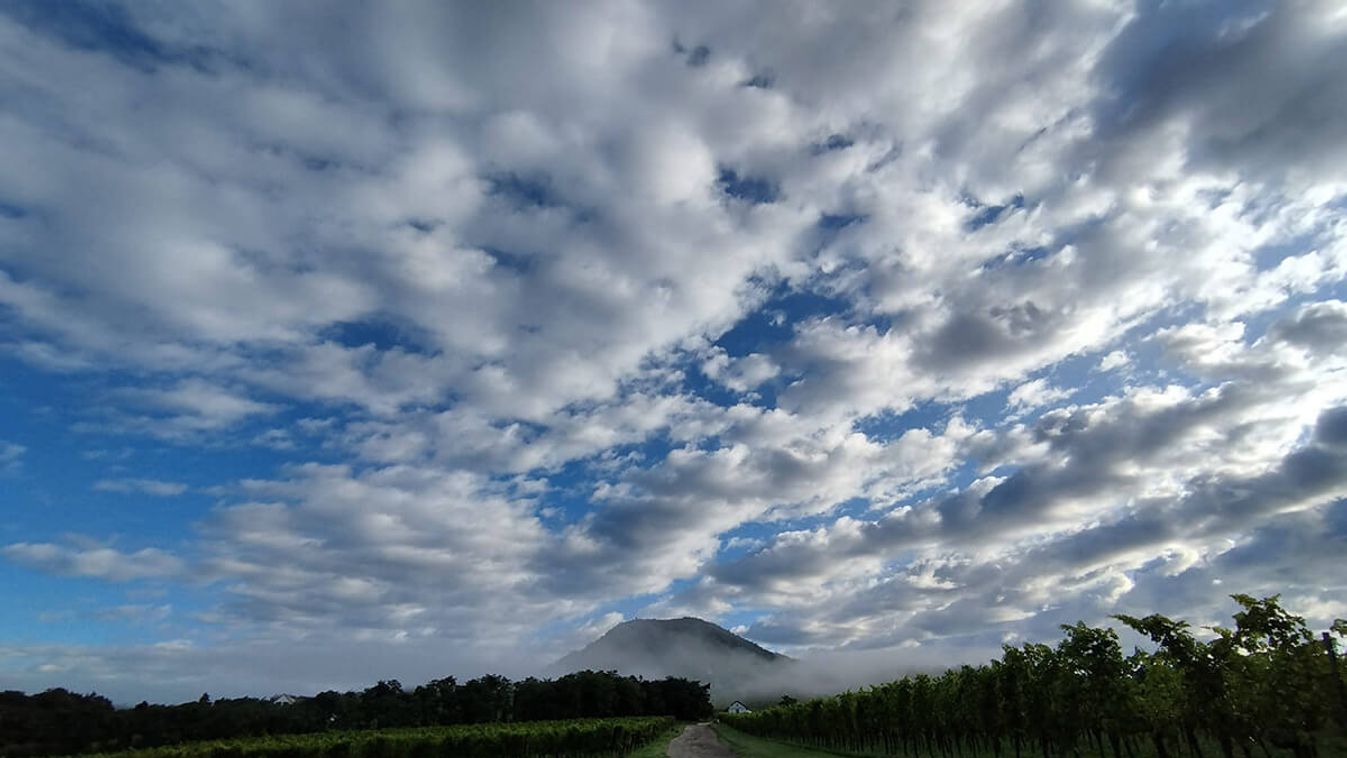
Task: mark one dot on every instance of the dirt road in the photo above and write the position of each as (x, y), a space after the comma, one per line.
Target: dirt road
(698, 741)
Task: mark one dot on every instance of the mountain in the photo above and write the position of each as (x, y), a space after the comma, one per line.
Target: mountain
(685, 647)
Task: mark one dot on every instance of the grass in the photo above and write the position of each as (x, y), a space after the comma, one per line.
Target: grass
(748, 746)
(659, 747)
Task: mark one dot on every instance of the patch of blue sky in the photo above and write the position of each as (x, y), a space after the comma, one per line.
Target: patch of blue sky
(833, 143)
(630, 607)
(760, 81)
(834, 221)
(887, 426)
(41, 510)
(698, 384)
(101, 27)
(648, 452)
(645, 454)
(569, 496)
(985, 408)
(55, 489)
(319, 164)
(1256, 324)
(742, 617)
(899, 561)
(141, 618)
(86, 25)
(381, 332)
(856, 507)
(536, 194)
(1335, 290)
(751, 536)
(1139, 66)
(676, 587)
(682, 50)
(525, 191)
(1136, 340)
(424, 225)
(1018, 256)
(1080, 232)
(990, 214)
(773, 322)
(43, 608)
(963, 473)
(519, 263)
(833, 225)
(1335, 519)
(1269, 257)
(250, 449)
(747, 537)
(547, 632)
(1080, 375)
(752, 189)
(51, 490)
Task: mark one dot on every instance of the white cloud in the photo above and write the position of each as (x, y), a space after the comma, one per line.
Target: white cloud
(1154, 484)
(1114, 360)
(493, 296)
(155, 487)
(741, 374)
(136, 613)
(95, 561)
(11, 456)
(1034, 394)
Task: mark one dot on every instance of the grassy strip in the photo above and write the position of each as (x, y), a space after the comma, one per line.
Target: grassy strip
(659, 747)
(748, 746)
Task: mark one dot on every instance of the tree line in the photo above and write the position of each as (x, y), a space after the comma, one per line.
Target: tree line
(58, 722)
(1267, 686)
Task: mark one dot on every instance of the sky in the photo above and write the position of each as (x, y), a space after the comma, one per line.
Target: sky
(348, 341)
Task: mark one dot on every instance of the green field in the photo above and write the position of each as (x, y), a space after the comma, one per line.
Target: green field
(748, 746)
(579, 738)
(658, 747)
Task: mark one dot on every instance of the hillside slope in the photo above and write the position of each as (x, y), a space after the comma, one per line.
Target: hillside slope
(685, 647)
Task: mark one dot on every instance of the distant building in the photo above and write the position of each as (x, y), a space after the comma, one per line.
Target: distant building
(283, 699)
(737, 707)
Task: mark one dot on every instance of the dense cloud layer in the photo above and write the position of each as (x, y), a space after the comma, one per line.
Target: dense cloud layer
(859, 326)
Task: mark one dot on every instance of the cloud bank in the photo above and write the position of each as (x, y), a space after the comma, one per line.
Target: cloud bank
(440, 332)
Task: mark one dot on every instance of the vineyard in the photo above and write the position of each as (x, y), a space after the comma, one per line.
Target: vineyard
(1266, 687)
(579, 738)
(59, 722)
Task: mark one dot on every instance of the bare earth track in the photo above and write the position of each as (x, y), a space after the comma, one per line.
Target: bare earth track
(698, 741)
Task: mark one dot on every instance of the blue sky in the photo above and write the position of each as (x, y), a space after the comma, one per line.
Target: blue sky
(342, 342)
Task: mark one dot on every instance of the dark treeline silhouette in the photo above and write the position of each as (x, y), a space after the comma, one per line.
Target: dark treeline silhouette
(1266, 687)
(57, 722)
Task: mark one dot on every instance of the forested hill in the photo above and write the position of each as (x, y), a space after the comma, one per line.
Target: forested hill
(652, 639)
(684, 647)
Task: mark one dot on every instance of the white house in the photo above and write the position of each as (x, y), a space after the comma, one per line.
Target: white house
(283, 699)
(737, 707)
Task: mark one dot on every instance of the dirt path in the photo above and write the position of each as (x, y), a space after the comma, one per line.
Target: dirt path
(698, 741)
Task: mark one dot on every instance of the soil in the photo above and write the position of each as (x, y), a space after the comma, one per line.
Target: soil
(698, 741)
